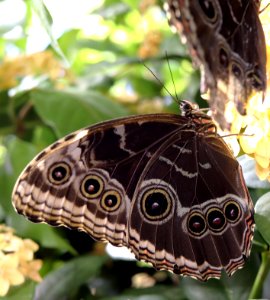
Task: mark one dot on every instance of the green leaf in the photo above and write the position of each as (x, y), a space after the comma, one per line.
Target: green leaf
(262, 216)
(259, 244)
(236, 287)
(157, 292)
(18, 154)
(42, 137)
(65, 282)
(68, 111)
(43, 234)
(46, 20)
(24, 291)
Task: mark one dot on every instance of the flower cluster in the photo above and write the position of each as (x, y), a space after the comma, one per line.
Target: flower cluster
(145, 4)
(254, 129)
(255, 139)
(151, 44)
(16, 260)
(13, 70)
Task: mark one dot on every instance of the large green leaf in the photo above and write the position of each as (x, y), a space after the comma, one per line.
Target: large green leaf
(24, 291)
(236, 287)
(262, 216)
(158, 292)
(67, 111)
(65, 282)
(18, 155)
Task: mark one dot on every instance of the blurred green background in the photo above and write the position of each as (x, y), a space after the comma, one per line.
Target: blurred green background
(69, 64)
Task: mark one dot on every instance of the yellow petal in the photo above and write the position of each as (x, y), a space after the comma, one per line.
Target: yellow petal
(249, 140)
(15, 277)
(4, 228)
(261, 172)
(31, 245)
(4, 287)
(30, 269)
(262, 152)
(27, 249)
(25, 254)
(13, 243)
(9, 261)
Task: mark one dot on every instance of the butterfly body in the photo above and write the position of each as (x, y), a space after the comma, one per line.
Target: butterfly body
(166, 186)
(227, 42)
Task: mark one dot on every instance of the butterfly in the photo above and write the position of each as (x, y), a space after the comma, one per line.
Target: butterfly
(166, 186)
(226, 40)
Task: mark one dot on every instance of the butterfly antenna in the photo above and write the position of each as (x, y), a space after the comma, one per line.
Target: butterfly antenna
(161, 83)
(169, 66)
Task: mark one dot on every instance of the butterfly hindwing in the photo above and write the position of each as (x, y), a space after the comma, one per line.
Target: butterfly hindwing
(198, 180)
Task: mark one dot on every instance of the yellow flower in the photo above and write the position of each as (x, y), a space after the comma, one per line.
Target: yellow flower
(31, 269)
(145, 4)
(9, 273)
(12, 70)
(143, 280)
(150, 45)
(255, 134)
(16, 260)
(26, 252)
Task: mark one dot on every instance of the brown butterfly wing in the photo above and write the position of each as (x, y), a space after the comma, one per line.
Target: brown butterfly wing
(86, 180)
(226, 40)
(191, 212)
(165, 186)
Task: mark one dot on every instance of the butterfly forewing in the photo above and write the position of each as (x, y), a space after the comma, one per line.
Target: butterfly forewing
(166, 186)
(102, 158)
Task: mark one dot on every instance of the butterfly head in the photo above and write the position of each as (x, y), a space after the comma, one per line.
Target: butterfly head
(196, 115)
(187, 107)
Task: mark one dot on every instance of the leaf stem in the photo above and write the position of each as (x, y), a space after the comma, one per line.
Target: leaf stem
(263, 246)
(264, 269)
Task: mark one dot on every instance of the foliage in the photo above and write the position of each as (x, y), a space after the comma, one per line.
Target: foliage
(91, 70)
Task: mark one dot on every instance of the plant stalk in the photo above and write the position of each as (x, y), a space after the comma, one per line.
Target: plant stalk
(264, 269)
